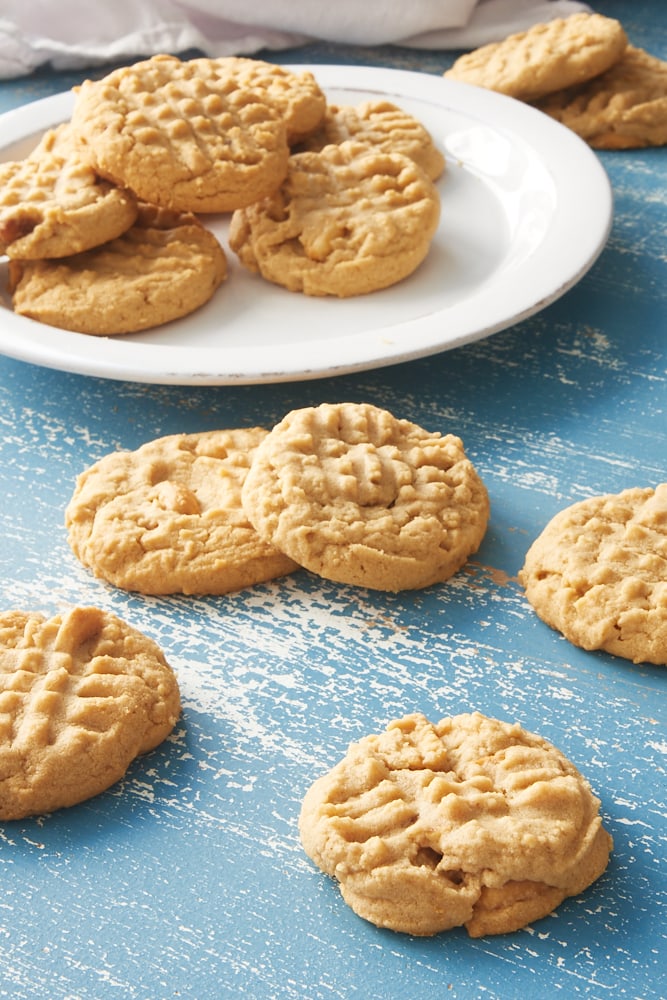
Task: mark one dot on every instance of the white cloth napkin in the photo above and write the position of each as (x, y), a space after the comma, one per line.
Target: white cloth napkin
(70, 34)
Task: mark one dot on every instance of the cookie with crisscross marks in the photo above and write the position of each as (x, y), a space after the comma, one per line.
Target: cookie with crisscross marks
(346, 221)
(470, 821)
(360, 496)
(624, 108)
(296, 96)
(544, 58)
(383, 126)
(166, 265)
(54, 204)
(81, 695)
(598, 573)
(186, 134)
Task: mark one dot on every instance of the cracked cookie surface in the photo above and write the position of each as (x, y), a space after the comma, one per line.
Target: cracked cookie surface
(470, 821)
(346, 221)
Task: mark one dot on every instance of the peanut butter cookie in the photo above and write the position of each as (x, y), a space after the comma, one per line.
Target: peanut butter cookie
(297, 97)
(53, 205)
(598, 574)
(81, 695)
(545, 57)
(624, 108)
(470, 821)
(356, 495)
(182, 134)
(162, 268)
(383, 126)
(167, 518)
(346, 221)
(61, 139)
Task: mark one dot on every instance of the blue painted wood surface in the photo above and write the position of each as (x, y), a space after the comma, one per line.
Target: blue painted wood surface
(187, 879)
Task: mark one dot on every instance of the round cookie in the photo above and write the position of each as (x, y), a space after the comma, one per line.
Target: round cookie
(544, 58)
(624, 108)
(356, 495)
(81, 695)
(162, 268)
(470, 821)
(182, 134)
(346, 221)
(382, 125)
(297, 97)
(53, 205)
(598, 574)
(167, 518)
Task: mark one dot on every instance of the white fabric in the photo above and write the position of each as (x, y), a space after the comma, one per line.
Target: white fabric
(70, 34)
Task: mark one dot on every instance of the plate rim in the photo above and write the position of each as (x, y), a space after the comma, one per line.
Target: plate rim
(503, 114)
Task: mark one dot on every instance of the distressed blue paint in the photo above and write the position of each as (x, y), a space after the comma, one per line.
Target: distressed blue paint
(187, 879)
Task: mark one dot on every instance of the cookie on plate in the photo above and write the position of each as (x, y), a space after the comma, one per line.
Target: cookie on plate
(296, 96)
(346, 221)
(624, 108)
(53, 204)
(382, 125)
(544, 58)
(359, 496)
(167, 518)
(598, 574)
(81, 695)
(163, 267)
(182, 134)
(470, 821)
(61, 139)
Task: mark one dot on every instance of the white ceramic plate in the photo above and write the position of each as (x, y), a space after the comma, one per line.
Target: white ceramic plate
(526, 209)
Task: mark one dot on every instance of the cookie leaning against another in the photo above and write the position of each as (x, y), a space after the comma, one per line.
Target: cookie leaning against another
(163, 267)
(356, 495)
(624, 108)
(544, 58)
(598, 574)
(382, 125)
(81, 695)
(182, 134)
(53, 204)
(346, 221)
(470, 821)
(167, 518)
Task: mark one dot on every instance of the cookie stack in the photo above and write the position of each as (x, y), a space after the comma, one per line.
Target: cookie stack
(582, 71)
(102, 222)
(87, 254)
(357, 211)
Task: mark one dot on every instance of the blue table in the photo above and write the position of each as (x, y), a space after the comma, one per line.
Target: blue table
(188, 879)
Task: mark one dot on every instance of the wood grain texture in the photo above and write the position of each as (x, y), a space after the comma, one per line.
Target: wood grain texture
(187, 879)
